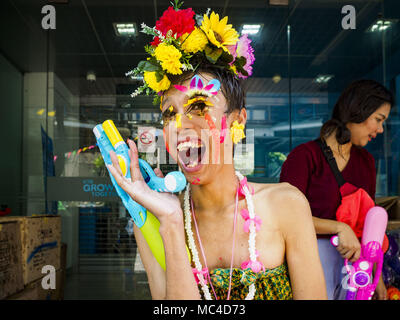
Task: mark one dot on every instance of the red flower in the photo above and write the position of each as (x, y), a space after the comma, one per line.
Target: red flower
(155, 42)
(179, 22)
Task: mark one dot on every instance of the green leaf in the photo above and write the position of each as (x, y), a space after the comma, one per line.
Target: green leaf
(199, 19)
(176, 4)
(212, 54)
(159, 76)
(239, 68)
(226, 57)
(148, 66)
(240, 61)
(156, 100)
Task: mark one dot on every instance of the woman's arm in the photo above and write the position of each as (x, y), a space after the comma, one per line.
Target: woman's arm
(349, 246)
(326, 226)
(305, 270)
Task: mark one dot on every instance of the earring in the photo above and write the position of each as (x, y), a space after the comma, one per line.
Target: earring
(237, 132)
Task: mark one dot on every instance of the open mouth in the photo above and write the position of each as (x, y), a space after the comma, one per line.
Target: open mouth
(190, 153)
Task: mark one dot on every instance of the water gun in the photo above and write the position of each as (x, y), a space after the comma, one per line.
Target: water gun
(362, 284)
(109, 139)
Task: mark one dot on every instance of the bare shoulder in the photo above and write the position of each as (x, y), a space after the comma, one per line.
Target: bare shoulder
(279, 193)
(285, 200)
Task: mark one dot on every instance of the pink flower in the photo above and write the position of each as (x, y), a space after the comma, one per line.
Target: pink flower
(257, 221)
(243, 183)
(244, 49)
(256, 266)
(196, 274)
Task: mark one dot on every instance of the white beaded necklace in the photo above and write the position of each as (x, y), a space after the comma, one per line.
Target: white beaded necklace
(192, 245)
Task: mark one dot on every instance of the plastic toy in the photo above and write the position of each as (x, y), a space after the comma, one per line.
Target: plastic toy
(109, 139)
(362, 284)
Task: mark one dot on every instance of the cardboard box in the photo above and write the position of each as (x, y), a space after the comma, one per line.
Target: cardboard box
(391, 205)
(35, 290)
(52, 294)
(41, 243)
(393, 225)
(11, 280)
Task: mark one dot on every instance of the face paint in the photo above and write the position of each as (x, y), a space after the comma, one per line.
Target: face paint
(161, 100)
(168, 115)
(196, 87)
(201, 99)
(223, 130)
(215, 135)
(165, 139)
(210, 121)
(195, 181)
(197, 106)
(178, 119)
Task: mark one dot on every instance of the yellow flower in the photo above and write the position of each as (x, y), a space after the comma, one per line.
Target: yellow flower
(237, 132)
(151, 80)
(194, 42)
(219, 32)
(169, 57)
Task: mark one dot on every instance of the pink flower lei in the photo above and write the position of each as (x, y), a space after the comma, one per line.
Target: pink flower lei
(252, 224)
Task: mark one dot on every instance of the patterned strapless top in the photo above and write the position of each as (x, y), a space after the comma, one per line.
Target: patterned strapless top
(271, 284)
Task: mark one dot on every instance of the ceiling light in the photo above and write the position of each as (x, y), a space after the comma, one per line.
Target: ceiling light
(125, 29)
(278, 2)
(91, 76)
(381, 25)
(251, 29)
(276, 78)
(323, 78)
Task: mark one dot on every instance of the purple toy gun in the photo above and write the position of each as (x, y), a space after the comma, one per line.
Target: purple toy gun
(361, 285)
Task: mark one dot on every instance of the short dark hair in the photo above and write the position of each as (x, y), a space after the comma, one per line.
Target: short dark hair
(356, 103)
(231, 86)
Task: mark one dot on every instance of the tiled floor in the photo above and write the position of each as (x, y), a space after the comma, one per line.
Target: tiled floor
(107, 286)
(103, 281)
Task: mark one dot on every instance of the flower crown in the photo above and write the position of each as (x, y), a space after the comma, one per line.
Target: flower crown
(182, 40)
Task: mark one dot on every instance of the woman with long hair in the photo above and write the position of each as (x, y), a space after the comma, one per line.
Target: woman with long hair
(357, 118)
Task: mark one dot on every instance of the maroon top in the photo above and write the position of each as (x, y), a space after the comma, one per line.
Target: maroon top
(307, 169)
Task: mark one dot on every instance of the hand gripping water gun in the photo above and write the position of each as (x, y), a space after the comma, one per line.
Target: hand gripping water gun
(109, 139)
(361, 284)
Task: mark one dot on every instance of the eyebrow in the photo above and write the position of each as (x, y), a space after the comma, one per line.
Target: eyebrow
(384, 117)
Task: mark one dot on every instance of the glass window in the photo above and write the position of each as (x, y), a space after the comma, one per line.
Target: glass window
(62, 74)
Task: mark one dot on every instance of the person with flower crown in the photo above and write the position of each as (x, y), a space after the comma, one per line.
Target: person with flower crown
(246, 240)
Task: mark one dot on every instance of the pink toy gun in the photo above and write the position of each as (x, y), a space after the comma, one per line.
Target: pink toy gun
(361, 284)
